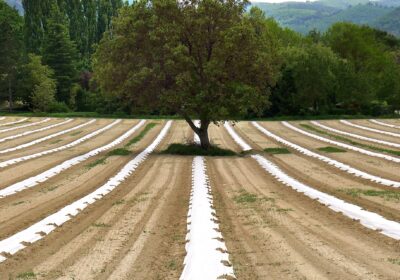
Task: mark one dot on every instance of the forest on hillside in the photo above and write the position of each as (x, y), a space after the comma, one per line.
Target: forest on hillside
(320, 15)
(74, 55)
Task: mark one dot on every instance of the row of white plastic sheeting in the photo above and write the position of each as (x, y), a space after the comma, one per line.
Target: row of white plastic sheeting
(14, 122)
(245, 147)
(387, 143)
(385, 124)
(37, 231)
(58, 149)
(37, 141)
(44, 176)
(196, 138)
(370, 129)
(207, 255)
(2, 118)
(368, 219)
(25, 125)
(34, 131)
(332, 162)
(346, 146)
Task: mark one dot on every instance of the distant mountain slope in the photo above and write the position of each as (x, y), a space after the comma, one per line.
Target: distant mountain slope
(16, 4)
(304, 17)
(359, 14)
(390, 22)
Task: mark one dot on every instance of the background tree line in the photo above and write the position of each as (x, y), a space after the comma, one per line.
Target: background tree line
(45, 55)
(46, 60)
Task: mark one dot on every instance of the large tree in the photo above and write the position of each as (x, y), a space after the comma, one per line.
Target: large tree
(203, 59)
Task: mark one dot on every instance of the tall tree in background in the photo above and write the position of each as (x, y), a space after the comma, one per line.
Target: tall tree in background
(59, 52)
(36, 13)
(77, 24)
(106, 10)
(90, 12)
(11, 43)
(86, 21)
(204, 59)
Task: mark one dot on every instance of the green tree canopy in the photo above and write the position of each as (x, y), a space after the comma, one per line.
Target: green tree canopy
(204, 59)
(39, 84)
(372, 56)
(11, 44)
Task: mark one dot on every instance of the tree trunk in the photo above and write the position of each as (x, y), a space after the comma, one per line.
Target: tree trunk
(204, 140)
(10, 94)
(201, 131)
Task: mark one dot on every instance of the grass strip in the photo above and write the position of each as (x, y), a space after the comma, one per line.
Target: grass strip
(245, 197)
(349, 141)
(122, 151)
(330, 149)
(195, 150)
(276, 151)
(119, 152)
(96, 162)
(385, 194)
(26, 275)
(140, 136)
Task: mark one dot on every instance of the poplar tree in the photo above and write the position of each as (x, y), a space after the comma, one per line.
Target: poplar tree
(59, 52)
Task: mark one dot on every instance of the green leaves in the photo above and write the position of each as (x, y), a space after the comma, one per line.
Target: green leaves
(205, 59)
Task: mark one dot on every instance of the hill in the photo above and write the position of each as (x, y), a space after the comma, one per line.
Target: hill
(390, 22)
(319, 15)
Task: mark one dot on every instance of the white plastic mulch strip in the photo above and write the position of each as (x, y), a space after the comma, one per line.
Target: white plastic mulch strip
(34, 131)
(44, 176)
(207, 256)
(346, 146)
(39, 230)
(245, 147)
(356, 135)
(61, 148)
(368, 219)
(332, 162)
(15, 122)
(37, 141)
(2, 118)
(196, 137)
(385, 124)
(370, 129)
(25, 125)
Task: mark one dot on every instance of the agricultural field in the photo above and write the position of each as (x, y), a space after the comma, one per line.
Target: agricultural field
(101, 199)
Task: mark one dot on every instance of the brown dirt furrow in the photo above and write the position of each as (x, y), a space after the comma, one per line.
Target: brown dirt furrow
(23, 209)
(220, 137)
(274, 232)
(180, 132)
(21, 130)
(138, 231)
(327, 178)
(372, 144)
(367, 123)
(35, 166)
(343, 127)
(19, 127)
(372, 165)
(54, 142)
